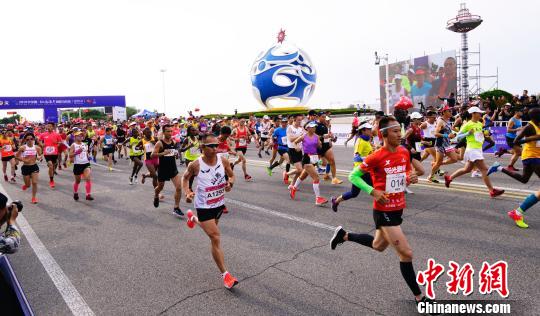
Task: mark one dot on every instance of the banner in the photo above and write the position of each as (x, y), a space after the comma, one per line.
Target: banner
(422, 79)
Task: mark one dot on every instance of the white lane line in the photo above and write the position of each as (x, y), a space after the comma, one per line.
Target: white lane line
(279, 214)
(71, 296)
(103, 166)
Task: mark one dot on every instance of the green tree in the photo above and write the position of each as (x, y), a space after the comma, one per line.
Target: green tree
(11, 119)
(130, 111)
(495, 94)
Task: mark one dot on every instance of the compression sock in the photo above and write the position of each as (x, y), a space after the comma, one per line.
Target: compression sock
(527, 203)
(362, 239)
(75, 187)
(51, 179)
(327, 168)
(316, 188)
(407, 271)
(275, 164)
(88, 187)
(287, 167)
(297, 183)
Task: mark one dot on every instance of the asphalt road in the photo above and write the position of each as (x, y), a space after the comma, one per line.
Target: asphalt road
(124, 257)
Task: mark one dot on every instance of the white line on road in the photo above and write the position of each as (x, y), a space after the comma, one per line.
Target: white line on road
(279, 214)
(71, 296)
(103, 166)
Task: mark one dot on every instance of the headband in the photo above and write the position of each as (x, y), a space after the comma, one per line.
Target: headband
(389, 126)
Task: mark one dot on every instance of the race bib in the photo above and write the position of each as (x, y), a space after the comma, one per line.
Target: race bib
(83, 155)
(284, 140)
(149, 147)
(7, 147)
(194, 151)
(50, 150)
(327, 140)
(108, 141)
(171, 153)
(418, 146)
(314, 159)
(479, 137)
(395, 183)
(242, 142)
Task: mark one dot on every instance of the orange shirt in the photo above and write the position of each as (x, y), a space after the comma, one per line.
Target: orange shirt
(7, 147)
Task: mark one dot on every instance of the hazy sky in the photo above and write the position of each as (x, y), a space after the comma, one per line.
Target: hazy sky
(55, 48)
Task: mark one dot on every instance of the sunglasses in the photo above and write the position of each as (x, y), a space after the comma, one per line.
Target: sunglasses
(211, 145)
(30, 138)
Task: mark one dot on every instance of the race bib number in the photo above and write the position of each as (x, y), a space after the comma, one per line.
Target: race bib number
(395, 183)
(149, 147)
(418, 146)
(314, 159)
(108, 141)
(50, 150)
(284, 140)
(194, 150)
(242, 142)
(83, 154)
(171, 153)
(8, 147)
(479, 137)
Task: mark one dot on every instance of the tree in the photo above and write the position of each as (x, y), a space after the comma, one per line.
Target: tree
(10, 119)
(495, 94)
(130, 111)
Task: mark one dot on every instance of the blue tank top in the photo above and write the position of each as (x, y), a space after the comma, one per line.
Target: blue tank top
(517, 124)
(309, 144)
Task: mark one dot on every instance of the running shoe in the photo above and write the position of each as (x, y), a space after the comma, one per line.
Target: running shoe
(320, 201)
(34, 200)
(24, 187)
(267, 152)
(320, 171)
(51, 184)
(229, 281)
(441, 172)
(135, 180)
(494, 168)
(12, 180)
(248, 178)
(334, 203)
(285, 177)
(156, 201)
(110, 169)
(337, 239)
(259, 154)
(76, 196)
(476, 174)
(89, 197)
(177, 211)
(518, 219)
(447, 181)
(130, 180)
(512, 168)
(143, 178)
(495, 192)
(6, 178)
(500, 152)
(433, 180)
(190, 219)
(292, 192)
(337, 181)
(269, 171)
(225, 210)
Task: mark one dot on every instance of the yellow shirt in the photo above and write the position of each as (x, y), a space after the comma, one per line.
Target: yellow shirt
(531, 149)
(362, 148)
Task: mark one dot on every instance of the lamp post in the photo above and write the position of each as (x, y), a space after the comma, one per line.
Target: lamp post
(163, 84)
(386, 83)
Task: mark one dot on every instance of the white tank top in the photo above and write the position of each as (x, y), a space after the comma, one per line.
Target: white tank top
(210, 192)
(82, 157)
(429, 131)
(29, 151)
(294, 132)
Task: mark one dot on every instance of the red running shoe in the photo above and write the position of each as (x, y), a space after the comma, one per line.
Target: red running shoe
(24, 187)
(229, 281)
(51, 184)
(495, 192)
(190, 219)
(248, 178)
(34, 200)
(447, 181)
(285, 177)
(320, 201)
(225, 210)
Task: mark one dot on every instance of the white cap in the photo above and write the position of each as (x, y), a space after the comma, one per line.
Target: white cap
(266, 117)
(366, 125)
(416, 115)
(311, 124)
(397, 77)
(475, 109)
(132, 123)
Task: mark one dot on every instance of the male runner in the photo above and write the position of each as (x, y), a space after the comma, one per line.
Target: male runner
(210, 170)
(444, 133)
(280, 138)
(264, 128)
(165, 149)
(295, 131)
(108, 143)
(241, 136)
(389, 167)
(326, 151)
(51, 140)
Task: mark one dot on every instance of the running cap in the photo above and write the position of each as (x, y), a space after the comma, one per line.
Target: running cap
(266, 117)
(475, 109)
(416, 115)
(311, 124)
(366, 125)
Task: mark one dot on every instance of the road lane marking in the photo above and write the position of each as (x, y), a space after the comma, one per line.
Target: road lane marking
(69, 293)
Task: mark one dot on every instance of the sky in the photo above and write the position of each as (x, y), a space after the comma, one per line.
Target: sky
(118, 47)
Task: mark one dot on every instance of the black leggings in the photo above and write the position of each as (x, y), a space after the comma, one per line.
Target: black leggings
(355, 190)
(528, 170)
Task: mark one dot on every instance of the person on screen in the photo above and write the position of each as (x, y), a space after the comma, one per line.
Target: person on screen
(446, 83)
(420, 89)
(396, 92)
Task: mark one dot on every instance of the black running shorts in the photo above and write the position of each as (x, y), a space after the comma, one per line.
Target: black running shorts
(52, 158)
(166, 174)
(392, 218)
(78, 169)
(295, 156)
(205, 214)
(27, 170)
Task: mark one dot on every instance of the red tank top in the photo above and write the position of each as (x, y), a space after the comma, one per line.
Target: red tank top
(241, 138)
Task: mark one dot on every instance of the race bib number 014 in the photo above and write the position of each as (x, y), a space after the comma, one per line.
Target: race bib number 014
(395, 183)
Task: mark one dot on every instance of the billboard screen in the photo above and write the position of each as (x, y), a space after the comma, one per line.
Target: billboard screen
(422, 79)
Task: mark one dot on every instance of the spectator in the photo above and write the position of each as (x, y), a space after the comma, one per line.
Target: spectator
(506, 113)
(11, 238)
(524, 99)
(450, 100)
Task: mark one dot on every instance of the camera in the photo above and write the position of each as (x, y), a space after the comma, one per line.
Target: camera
(17, 203)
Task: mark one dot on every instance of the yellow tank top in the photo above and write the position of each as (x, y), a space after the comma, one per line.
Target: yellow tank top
(193, 152)
(531, 149)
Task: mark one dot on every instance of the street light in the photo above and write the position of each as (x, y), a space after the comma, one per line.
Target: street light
(386, 83)
(163, 83)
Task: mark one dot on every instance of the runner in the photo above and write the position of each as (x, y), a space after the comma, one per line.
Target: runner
(515, 125)
(191, 147)
(362, 149)
(121, 138)
(210, 170)
(530, 157)
(51, 140)
(413, 143)
(78, 154)
(295, 131)
(241, 136)
(167, 170)
(135, 154)
(264, 129)
(63, 155)
(7, 142)
(107, 141)
(325, 151)
(428, 128)
(388, 167)
(310, 144)
(149, 142)
(92, 137)
(224, 148)
(29, 153)
(473, 131)
(280, 138)
(444, 133)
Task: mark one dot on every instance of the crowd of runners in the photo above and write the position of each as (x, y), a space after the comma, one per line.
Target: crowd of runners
(387, 160)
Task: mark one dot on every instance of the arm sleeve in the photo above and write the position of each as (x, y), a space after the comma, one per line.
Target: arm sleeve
(355, 177)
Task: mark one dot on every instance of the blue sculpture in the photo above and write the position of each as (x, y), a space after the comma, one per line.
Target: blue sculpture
(283, 76)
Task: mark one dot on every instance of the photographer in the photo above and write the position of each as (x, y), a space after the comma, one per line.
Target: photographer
(11, 238)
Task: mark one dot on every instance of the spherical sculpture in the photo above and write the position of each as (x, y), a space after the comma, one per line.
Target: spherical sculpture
(283, 76)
